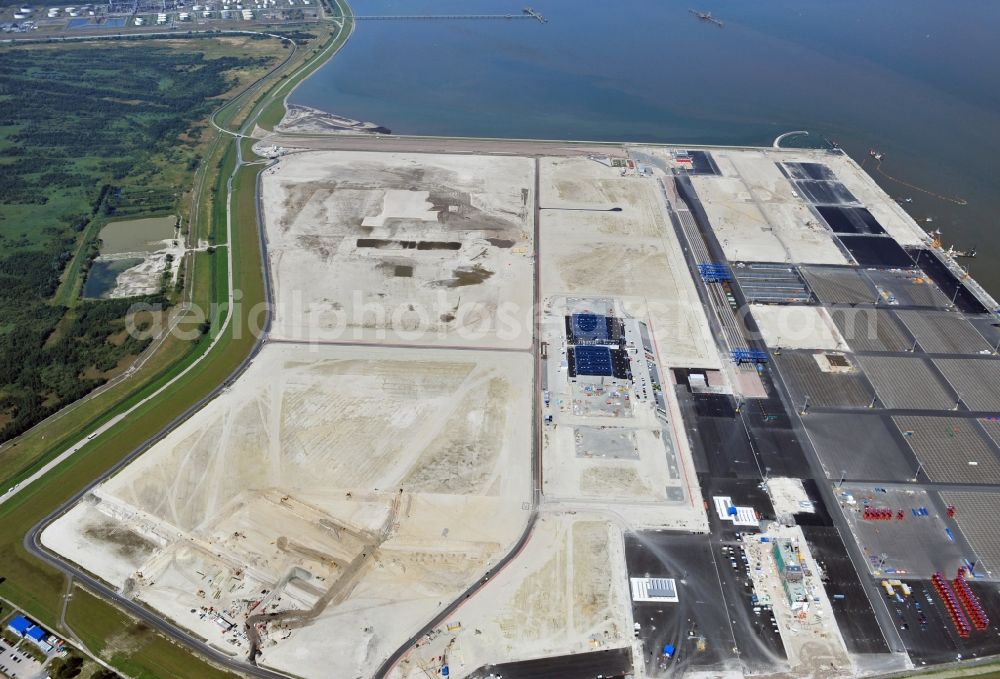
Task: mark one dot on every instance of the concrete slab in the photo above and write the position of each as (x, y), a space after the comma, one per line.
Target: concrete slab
(914, 547)
(859, 447)
(797, 327)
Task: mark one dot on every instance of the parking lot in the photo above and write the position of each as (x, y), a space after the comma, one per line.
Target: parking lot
(15, 664)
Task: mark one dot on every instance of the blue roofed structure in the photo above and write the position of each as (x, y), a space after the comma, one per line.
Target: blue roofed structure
(20, 625)
(589, 329)
(593, 360)
(37, 633)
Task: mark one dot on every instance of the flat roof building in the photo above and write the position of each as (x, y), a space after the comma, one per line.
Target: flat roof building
(654, 589)
(786, 558)
(19, 625)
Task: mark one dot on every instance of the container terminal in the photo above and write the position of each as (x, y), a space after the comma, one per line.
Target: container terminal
(630, 410)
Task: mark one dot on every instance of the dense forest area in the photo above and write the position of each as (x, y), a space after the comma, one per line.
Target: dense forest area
(87, 132)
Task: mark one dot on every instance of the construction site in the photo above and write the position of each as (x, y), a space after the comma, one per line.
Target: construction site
(542, 409)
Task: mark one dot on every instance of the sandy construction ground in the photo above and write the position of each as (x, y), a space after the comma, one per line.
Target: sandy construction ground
(567, 592)
(810, 635)
(757, 219)
(888, 212)
(758, 216)
(376, 458)
(366, 486)
(147, 278)
(394, 247)
(628, 253)
(797, 327)
(571, 475)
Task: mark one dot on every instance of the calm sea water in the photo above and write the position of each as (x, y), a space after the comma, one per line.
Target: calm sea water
(918, 79)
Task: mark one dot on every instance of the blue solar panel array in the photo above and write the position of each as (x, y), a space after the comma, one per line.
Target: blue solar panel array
(593, 360)
(590, 328)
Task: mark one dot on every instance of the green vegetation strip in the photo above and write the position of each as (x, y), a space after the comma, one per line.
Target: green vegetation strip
(133, 648)
(37, 587)
(80, 145)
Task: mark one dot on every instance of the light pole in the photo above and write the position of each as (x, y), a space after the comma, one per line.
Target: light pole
(805, 406)
(920, 468)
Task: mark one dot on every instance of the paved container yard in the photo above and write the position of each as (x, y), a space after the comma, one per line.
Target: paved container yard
(977, 381)
(806, 379)
(943, 333)
(914, 545)
(870, 329)
(903, 382)
(991, 426)
(836, 285)
(860, 446)
(907, 288)
(951, 449)
(977, 516)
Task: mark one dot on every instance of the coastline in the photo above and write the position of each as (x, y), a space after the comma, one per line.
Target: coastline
(272, 113)
(299, 119)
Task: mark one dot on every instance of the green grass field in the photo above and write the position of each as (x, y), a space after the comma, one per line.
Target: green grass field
(81, 145)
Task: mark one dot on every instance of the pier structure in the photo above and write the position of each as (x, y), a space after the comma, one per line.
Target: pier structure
(526, 13)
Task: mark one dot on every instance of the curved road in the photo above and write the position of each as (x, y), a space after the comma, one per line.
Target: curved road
(31, 540)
